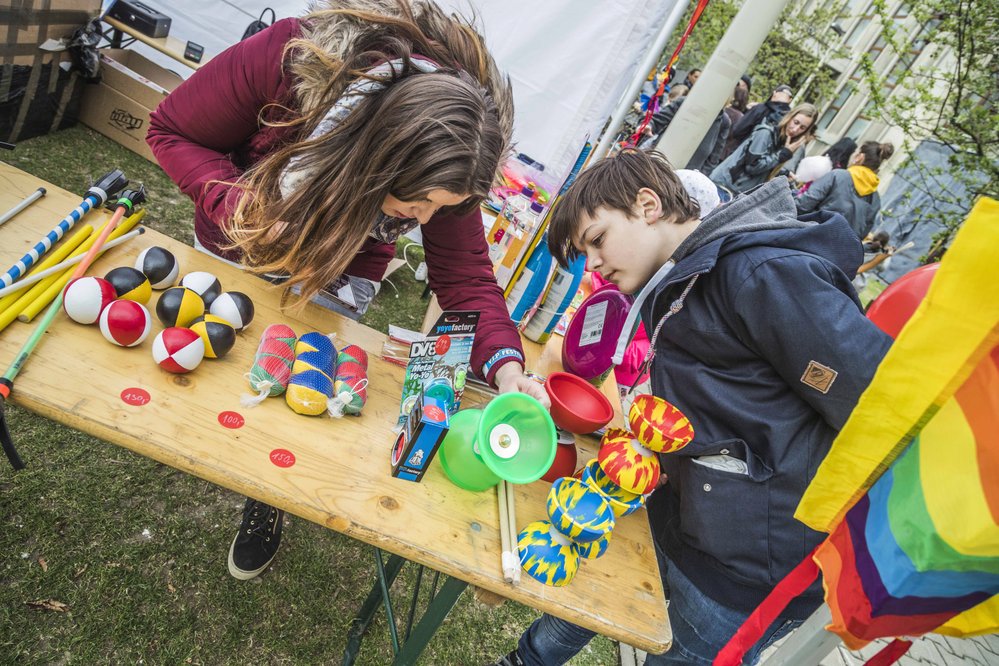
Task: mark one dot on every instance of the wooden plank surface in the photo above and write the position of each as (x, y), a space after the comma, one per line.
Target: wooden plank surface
(168, 45)
(341, 477)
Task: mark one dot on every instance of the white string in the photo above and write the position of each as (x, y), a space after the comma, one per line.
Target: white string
(264, 389)
(675, 307)
(629, 323)
(339, 402)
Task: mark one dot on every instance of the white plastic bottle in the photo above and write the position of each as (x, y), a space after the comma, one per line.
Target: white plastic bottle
(500, 235)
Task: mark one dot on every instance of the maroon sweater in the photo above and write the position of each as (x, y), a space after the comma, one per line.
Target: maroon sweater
(207, 130)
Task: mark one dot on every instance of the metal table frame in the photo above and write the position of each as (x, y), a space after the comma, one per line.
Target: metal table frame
(414, 639)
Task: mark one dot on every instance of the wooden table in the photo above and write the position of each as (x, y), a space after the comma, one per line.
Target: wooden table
(341, 474)
(168, 45)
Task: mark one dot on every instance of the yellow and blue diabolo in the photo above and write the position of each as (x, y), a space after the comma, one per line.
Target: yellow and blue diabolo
(580, 527)
(578, 511)
(546, 555)
(591, 550)
(621, 501)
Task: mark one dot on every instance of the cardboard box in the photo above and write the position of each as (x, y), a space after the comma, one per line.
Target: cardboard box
(119, 107)
(420, 438)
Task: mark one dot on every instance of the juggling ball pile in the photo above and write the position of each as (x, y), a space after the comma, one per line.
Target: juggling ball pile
(351, 382)
(194, 329)
(305, 370)
(311, 384)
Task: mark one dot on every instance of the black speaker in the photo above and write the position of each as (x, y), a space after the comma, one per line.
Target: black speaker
(142, 17)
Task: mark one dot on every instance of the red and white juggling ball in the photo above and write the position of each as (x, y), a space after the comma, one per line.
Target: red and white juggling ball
(86, 297)
(178, 349)
(126, 323)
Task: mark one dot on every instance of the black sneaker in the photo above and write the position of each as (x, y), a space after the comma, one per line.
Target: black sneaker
(257, 541)
(512, 659)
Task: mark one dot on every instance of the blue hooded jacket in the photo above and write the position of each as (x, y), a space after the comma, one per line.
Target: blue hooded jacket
(767, 358)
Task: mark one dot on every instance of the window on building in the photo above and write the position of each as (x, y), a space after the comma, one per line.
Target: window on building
(908, 57)
(877, 48)
(837, 104)
(852, 7)
(861, 123)
(858, 31)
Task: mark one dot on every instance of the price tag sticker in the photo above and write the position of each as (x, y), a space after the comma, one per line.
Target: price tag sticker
(135, 396)
(231, 420)
(282, 457)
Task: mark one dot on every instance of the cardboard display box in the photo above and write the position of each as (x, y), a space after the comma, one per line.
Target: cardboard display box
(119, 107)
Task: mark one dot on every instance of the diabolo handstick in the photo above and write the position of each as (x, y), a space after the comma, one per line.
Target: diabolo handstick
(25, 202)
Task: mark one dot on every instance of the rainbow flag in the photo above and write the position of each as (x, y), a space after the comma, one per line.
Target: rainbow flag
(909, 492)
(910, 489)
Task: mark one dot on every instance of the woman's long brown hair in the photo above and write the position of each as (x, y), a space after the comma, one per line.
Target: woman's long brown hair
(805, 109)
(424, 131)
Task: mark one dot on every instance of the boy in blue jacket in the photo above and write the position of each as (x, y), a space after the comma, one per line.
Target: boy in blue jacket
(760, 340)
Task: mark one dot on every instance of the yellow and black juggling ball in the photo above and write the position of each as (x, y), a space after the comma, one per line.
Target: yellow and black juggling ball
(218, 335)
(130, 284)
(179, 306)
(204, 284)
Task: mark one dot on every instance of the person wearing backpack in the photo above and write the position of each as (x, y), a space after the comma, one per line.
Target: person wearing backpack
(767, 113)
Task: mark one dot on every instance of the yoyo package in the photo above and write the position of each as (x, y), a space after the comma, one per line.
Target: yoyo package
(421, 436)
(438, 364)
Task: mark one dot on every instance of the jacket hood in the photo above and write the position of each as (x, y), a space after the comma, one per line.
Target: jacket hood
(765, 208)
(766, 216)
(865, 181)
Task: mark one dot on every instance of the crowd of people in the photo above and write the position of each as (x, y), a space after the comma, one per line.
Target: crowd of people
(748, 144)
(768, 348)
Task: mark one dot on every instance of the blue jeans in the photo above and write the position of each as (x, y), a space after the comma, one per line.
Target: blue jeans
(701, 628)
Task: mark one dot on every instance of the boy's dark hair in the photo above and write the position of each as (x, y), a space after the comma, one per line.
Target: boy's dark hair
(614, 183)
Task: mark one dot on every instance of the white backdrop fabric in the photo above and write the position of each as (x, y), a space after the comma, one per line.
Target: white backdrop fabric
(569, 60)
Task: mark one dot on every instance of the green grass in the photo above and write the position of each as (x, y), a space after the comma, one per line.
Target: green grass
(136, 550)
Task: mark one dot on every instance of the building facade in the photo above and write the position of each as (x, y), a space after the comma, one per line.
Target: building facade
(859, 30)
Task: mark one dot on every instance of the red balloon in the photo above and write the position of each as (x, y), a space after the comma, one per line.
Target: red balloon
(893, 308)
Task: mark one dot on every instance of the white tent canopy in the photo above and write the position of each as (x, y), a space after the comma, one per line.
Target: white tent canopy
(569, 60)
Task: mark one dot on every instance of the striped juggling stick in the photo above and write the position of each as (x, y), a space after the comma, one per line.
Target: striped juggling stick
(95, 198)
